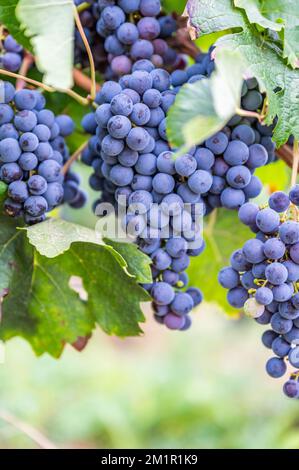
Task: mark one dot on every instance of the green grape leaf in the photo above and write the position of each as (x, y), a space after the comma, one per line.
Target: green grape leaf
(39, 294)
(204, 107)
(280, 82)
(51, 29)
(254, 14)
(206, 16)
(284, 11)
(9, 20)
(288, 12)
(222, 238)
(55, 236)
(138, 263)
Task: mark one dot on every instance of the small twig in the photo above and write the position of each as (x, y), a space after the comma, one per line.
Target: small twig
(265, 107)
(2, 36)
(285, 153)
(26, 64)
(28, 80)
(245, 113)
(73, 158)
(181, 41)
(73, 94)
(89, 53)
(295, 163)
(83, 81)
(42, 441)
(84, 6)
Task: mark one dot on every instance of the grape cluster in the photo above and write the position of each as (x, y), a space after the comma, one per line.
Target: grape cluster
(134, 30)
(264, 278)
(253, 100)
(132, 159)
(11, 54)
(121, 32)
(32, 153)
(231, 155)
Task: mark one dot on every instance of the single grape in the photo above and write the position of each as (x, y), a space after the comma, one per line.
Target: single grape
(288, 232)
(185, 165)
(236, 153)
(238, 176)
(17, 191)
(228, 277)
(119, 126)
(253, 251)
(268, 337)
(274, 248)
(294, 195)
(244, 133)
(36, 206)
(232, 198)
(281, 325)
(37, 185)
(248, 212)
(258, 156)
(268, 220)
(182, 304)
(280, 347)
(276, 367)
(237, 297)
(217, 143)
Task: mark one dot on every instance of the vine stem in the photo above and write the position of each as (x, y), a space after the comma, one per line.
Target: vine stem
(28, 80)
(71, 93)
(295, 163)
(1, 35)
(84, 6)
(73, 158)
(285, 153)
(35, 435)
(89, 53)
(243, 112)
(26, 64)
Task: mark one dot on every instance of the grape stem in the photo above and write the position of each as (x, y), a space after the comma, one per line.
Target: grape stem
(89, 53)
(26, 64)
(2, 36)
(71, 93)
(243, 112)
(84, 6)
(73, 158)
(35, 435)
(182, 42)
(285, 153)
(295, 163)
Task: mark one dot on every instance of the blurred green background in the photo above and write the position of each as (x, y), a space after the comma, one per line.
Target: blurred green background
(205, 388)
